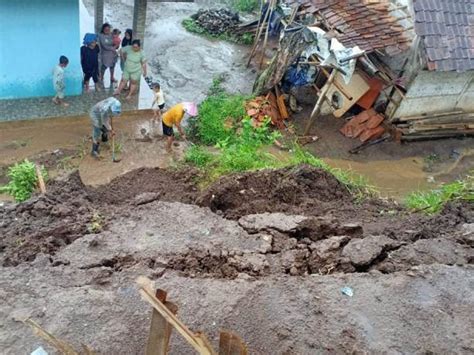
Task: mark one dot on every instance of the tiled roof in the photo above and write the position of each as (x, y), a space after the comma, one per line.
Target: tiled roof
(447, 30)
(368, 24)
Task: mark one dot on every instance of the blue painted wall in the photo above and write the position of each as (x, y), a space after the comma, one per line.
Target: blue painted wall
(33, 34)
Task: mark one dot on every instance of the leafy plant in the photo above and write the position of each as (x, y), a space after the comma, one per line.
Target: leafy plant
(433, 201)
(245, 5)
(23, 180)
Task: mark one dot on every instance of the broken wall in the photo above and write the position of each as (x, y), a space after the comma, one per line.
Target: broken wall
(432, 92)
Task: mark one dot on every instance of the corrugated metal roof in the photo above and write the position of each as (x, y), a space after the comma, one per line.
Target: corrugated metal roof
(447, 30)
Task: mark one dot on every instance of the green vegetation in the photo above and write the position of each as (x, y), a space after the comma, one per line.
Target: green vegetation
(245, 5)
(433, 201)
(23, 180)
(222, 123)
(191, 26)
(96, 224)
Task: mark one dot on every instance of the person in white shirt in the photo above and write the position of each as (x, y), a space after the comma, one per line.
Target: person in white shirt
(58, 81)
(158, 101)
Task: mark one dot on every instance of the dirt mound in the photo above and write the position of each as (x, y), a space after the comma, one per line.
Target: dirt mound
(285, 190)
(45, 223)
(171, 185)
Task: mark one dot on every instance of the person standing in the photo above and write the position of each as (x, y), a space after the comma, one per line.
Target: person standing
(58, 81)
(101, 117)
(173, 117)
(127, 41)
(158, 103)
(108, 53)
(90, 60)
(135, 66)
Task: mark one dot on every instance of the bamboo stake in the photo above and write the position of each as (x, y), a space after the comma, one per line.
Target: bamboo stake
(259, 34)
(197, 340)
(262, 57)
(319, 103)
(63, 347)
(41, 183)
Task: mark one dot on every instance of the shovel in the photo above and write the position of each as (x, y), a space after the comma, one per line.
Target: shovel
(114, 159)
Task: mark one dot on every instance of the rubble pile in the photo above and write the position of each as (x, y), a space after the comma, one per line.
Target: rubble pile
(269, 106)
(217, 21)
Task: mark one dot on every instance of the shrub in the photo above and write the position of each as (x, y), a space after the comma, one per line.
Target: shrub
(198, 156)
(23, 180)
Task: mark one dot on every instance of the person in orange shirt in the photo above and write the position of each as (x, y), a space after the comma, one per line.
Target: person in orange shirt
(173, 117)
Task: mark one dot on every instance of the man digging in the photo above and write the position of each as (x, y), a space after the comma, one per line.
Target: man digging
(101, 116)
(173, 117)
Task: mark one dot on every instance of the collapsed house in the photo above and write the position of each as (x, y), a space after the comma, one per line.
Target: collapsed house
(400, 67)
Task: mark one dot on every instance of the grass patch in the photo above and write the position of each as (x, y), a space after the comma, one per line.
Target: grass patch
(245, 5)
(193, 27)
(433, 201)
(242, 147)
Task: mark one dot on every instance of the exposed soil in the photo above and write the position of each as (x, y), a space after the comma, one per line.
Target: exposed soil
(296, 231)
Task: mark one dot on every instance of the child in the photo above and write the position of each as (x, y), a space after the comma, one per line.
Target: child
(58, 81)
(116, 40)
(158, 102)
(90, 60)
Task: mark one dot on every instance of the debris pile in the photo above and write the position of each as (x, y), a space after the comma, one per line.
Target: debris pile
(366, 126)
(268, 106)
(217, 21)
(433, 126)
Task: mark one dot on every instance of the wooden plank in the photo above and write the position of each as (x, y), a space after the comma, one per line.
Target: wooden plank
(160, 329)
(197, 340)
(430, 115)
(231, 344)
(319, 103)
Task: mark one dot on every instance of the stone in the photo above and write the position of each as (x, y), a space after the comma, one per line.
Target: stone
(145, 198)
(361, 252)
(264, 221)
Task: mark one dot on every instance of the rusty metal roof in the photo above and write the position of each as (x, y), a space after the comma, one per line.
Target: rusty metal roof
(369, 24)
(447, 31)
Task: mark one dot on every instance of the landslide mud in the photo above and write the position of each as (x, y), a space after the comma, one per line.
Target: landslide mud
(326, 231)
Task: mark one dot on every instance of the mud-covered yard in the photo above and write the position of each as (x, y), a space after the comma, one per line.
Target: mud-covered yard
(264, 254)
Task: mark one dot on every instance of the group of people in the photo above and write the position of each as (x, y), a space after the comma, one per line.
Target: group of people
(103, 51)
(107, 48)
(103, 112)
(100, 53)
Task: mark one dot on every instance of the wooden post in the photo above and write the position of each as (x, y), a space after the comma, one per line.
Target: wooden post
(41, 183)
(197, 340)
(319, 103)
(271, 7)
(259, 33)
(231, 344)
(160, 329)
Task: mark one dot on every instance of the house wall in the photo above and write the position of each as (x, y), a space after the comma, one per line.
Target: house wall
(432, 92)
(34, 34)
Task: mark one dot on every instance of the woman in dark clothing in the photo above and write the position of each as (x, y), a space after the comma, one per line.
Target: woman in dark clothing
(90, 60)
(127, 38)
(127, 41)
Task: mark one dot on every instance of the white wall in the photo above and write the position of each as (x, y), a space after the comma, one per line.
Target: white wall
(433, 92)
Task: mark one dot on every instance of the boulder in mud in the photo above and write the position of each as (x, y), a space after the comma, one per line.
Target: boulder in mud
(362, 252)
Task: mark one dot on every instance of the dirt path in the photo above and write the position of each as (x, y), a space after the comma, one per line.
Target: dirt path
(274, 278)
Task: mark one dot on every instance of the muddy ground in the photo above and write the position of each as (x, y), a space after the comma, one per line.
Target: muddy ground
(264, 254)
